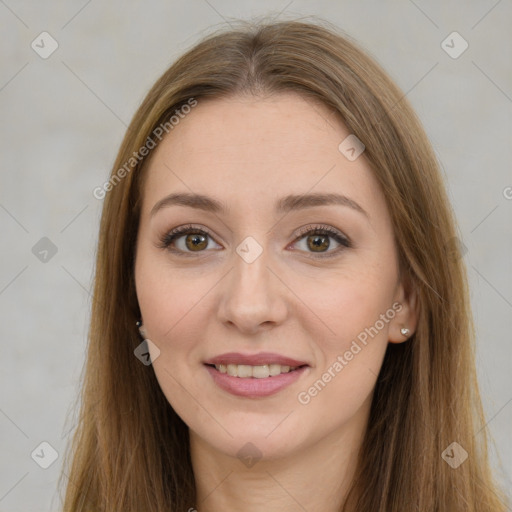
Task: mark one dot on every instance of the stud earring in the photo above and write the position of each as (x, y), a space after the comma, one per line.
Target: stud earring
(142, 330)
(404, 331)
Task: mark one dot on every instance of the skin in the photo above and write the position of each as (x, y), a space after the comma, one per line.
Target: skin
(248, 152)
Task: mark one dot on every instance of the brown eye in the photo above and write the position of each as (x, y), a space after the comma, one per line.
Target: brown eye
(318, 243)
(196, 241)
(186, 240)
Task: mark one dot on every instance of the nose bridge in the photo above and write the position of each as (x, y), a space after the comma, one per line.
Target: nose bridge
(253, 294)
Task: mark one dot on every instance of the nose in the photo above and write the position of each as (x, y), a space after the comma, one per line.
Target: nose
(253, 296)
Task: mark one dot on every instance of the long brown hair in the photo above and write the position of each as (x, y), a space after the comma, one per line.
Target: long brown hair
(130, 451)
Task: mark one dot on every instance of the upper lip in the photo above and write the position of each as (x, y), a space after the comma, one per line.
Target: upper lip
(254, 359)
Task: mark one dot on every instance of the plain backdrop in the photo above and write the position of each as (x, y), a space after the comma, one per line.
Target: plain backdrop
(63, 118)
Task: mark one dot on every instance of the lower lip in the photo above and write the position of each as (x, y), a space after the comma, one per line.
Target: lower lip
(251, 387)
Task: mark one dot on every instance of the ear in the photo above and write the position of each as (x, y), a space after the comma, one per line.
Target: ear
(142, 329)
(407, 316)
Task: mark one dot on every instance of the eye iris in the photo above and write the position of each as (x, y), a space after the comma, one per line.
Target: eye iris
(197, 240)
(316, 243)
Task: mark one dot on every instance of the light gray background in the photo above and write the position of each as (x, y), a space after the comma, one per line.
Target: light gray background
(63, 119)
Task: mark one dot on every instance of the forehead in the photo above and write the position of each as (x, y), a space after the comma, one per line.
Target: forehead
(255, 130)
(248, 150)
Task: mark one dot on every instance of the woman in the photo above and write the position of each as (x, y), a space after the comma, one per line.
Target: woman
(280, 315)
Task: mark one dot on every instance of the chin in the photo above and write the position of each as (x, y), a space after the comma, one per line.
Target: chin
(265, 441)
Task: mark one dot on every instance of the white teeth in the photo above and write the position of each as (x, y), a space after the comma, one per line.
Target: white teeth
(258, 372)
(244, 370)
(275, 369)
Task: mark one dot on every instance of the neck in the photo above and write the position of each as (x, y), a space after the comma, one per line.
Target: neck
(314, 478)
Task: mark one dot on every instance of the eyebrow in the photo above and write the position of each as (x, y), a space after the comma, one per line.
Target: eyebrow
(284, 205)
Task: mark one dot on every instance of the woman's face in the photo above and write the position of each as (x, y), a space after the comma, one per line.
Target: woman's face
(289, 261)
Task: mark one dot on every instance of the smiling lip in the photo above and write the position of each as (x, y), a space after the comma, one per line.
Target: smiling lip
(255, 359)
(251, 387)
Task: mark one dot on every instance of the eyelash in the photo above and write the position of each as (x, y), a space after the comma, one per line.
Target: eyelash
(168, 238)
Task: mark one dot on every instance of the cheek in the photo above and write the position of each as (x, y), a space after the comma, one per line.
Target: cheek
(357, 308)
(351, 303)
(172, 302)
(349, 360)
(170, 308)
(168, 299)
(342, 393)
